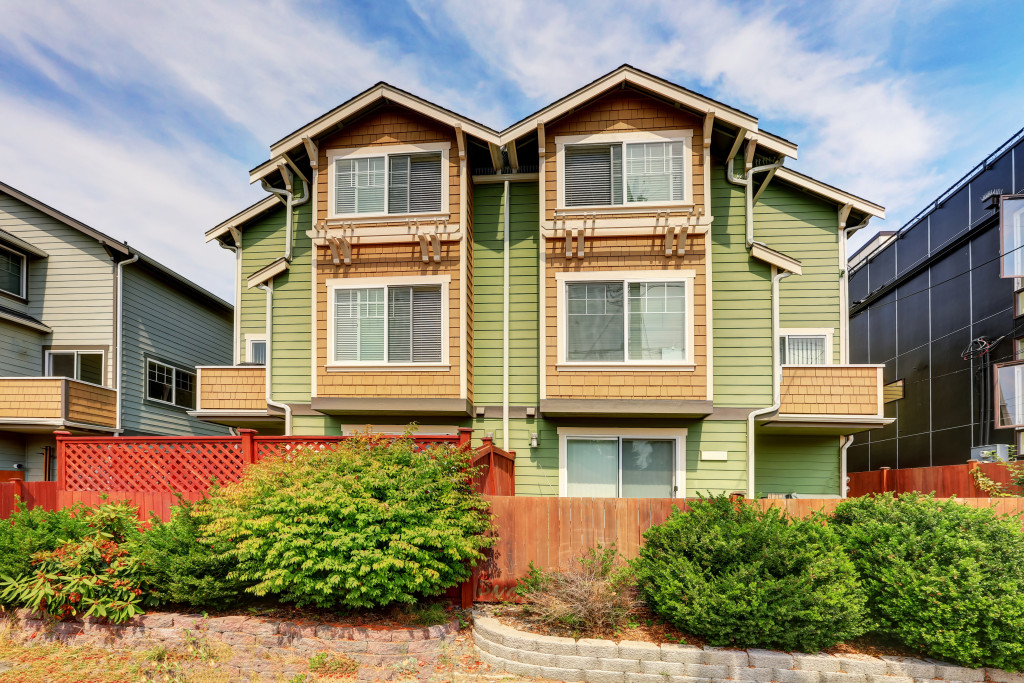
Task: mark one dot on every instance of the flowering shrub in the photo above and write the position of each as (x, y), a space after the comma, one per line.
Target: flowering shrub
(373, 522)
(96, 576)
(28, 532)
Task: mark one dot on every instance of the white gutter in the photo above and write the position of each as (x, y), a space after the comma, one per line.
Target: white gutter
(776, 380)
(505, 325)
(269, 289)
(119, 342)
(847, 442)
(747, 183)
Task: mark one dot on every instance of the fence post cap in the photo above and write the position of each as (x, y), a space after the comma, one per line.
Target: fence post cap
(242, 430)
(62, 433)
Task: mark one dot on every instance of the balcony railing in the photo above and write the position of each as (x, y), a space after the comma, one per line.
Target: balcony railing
(56, 402)
(832, 390)
(232, 389)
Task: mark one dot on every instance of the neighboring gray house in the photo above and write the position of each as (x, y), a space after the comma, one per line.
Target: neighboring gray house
(95, 338)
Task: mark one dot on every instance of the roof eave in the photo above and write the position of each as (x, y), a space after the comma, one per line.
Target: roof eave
(829, 192)
(243, 217)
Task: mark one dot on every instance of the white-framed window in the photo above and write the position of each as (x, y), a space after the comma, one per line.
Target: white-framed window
(1011, 227)
(86, 366)
(256, 349)
(805, 346)
(625, 318)
(13, 272)
(170, 384)
(622, 463)
(1009, 394)
(651, 168)
(389, 180)
(400, 322)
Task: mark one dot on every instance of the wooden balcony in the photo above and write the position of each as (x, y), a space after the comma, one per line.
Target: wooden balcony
(236, 396)
(828, 399)
(43, 404)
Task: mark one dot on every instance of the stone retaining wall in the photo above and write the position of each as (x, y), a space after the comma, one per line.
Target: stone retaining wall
(267, 647)
(605, 661)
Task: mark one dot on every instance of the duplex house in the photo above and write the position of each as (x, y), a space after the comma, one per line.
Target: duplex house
(95, 338)
(628, 288)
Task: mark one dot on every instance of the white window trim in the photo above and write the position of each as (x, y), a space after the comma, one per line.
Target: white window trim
(386, 151)
(679, 435)
(827, 332)
(22, 293)
(684, 136)
(334, 284)
(174, 384)
(625, 276)
(49, 355)
(249, 340)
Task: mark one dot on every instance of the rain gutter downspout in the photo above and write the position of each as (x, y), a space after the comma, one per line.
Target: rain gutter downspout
(269, 289)
(288, 195)
(119, 342)
(505, 321)
(843, 488)
(747, 183)
(776, 380)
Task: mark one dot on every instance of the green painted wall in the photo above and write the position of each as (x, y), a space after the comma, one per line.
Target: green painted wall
(741, 299)
(797, 464)
(806, 228)
(263, 242)
(488, 294)
(716, 476)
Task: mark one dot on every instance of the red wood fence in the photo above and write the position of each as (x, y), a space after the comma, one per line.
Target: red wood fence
(944, 481)
(552, 532)
(497, 476)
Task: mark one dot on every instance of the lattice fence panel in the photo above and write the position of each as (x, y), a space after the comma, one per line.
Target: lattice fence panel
(151, 465)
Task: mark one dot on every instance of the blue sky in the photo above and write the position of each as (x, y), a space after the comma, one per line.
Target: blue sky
(143, 118)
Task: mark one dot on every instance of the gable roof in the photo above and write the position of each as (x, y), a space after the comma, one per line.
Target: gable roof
(816, 187)
(244, 216)
(113, 245)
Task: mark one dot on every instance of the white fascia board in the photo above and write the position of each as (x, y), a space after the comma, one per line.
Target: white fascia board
(243, 217)
(381, 92)
(267, 272)
(828, 192)
(775, 258)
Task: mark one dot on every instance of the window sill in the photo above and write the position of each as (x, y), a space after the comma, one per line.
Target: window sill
(390, 367)
(625, 367)
(631, 208)
(378, 217)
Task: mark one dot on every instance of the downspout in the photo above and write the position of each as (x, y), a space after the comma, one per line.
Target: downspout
(776, 380)
(288, 194)
(505, 324)
(747, 183)
(119, 342)
(269, 289)
(847, 442)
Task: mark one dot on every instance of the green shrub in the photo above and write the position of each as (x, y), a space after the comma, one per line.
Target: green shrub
(743, 577)
(596, 592)
(371, 523)
(941, 577)
(182, 570)
(95, 576)
(28, 532)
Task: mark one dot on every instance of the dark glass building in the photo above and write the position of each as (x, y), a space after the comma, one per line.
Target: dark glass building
(930, 304)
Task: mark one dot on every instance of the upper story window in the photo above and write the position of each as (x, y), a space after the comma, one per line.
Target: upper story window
(1011, 222)
(805, 346)
(256, 349)
(627, 169)
(380, 321)
(169, 384)
(12, 272)
(640, 318)
(86, 366)
(381, 181)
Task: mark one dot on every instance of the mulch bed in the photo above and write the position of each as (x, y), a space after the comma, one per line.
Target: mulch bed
(646, 627)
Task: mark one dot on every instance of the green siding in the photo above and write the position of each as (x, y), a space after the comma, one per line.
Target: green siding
(742, 304)
(716, 476)
(806, 228)
(488, 294)
(263, 242)
(797, 464)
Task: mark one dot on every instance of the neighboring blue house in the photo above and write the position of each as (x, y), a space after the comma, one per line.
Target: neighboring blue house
(95, 338)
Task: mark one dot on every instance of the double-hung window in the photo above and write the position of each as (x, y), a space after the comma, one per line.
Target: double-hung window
(1011, 222)
(86, 366)
(397, 322)
(12, 272)
(402, 180)
(169, 384)
(619, 466)
(625, 170)
(640, 319)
